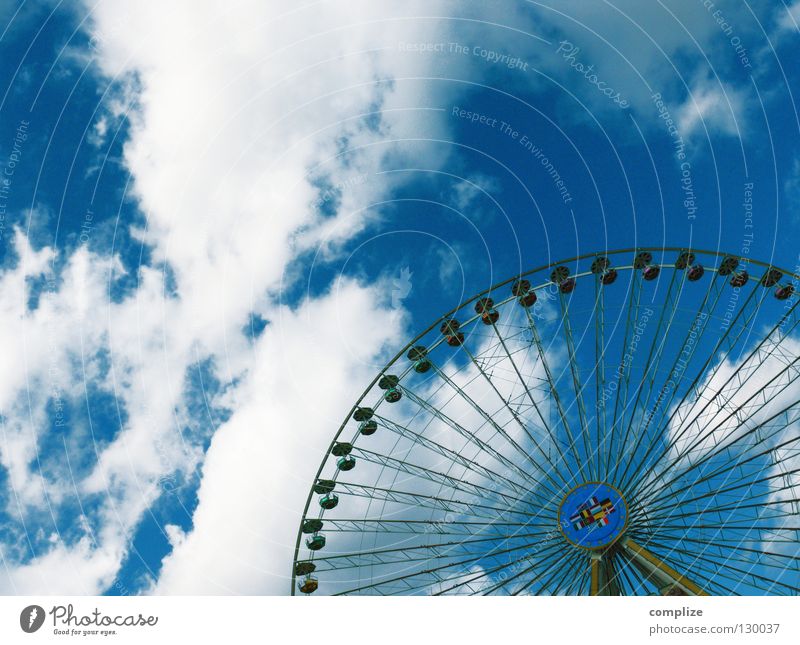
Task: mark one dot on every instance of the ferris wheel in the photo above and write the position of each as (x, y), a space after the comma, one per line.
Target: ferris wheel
(622, 423)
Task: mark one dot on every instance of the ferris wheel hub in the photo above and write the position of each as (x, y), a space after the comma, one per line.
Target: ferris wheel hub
(593, 515)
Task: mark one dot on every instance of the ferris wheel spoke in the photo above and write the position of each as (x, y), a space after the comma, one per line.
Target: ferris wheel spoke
(625, 364)
(696, 391)
(600, 374)
(421, 500)
(777, 422)
(578, 388)
(581, 583)
(560, 483)
(630, 578)
(748, 527)
(714, 548)
(748, 537)
(682, 360)
(553, 440)
(554, 395)
(686, 497)
(644, 581)
(629, 411)
(434, 572)
(461, 583)
(556, 573)
(545, 553)
(510, 566)
(722, 560)
(730, 524)
(737, 464)
(710, 577)
(436, 577)
(516, 563)
(621, 580)
(691, 343)
(580, 579)
(555, 565)
(415, 553)
(571, 440)
(782, 420)
(517, 568)
(553, 586)
(427, 527)
(657, 348)
(455, 457)
(646, 578)
(749, 310)
(470, 436)
(489, 418)
(451, 482)
(736, 507)
(727, 343)
(644, 463)
(740, 424)
(697, 387)
(718, 567)
(719, 544)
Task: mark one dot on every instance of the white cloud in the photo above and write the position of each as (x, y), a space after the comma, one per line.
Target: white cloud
(728, 405)
(642, 48)
(711, 107)
(791, 188)
(80, 569)
(474, 190)
(789, 16)
(306, 369)
(728, 417)
(40, 344)
(239, 111)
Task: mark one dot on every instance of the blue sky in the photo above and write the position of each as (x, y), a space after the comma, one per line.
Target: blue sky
(203, 206)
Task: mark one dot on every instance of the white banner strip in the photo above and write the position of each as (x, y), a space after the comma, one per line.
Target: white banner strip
(266, 620)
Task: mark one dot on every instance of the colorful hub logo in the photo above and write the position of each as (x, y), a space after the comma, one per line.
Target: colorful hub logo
(593, 515)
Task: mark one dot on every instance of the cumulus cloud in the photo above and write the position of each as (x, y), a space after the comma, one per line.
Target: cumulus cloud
(711, 107)
(60, 351)
(230, 130)
(257, 474)
(729, 405)
(240, 118)
(788, 17)
(791, 188)
(472, 192)
(639, 49)
(731, 425)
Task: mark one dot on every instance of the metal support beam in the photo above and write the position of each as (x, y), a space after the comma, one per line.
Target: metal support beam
(669, 581)
(603, 575)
